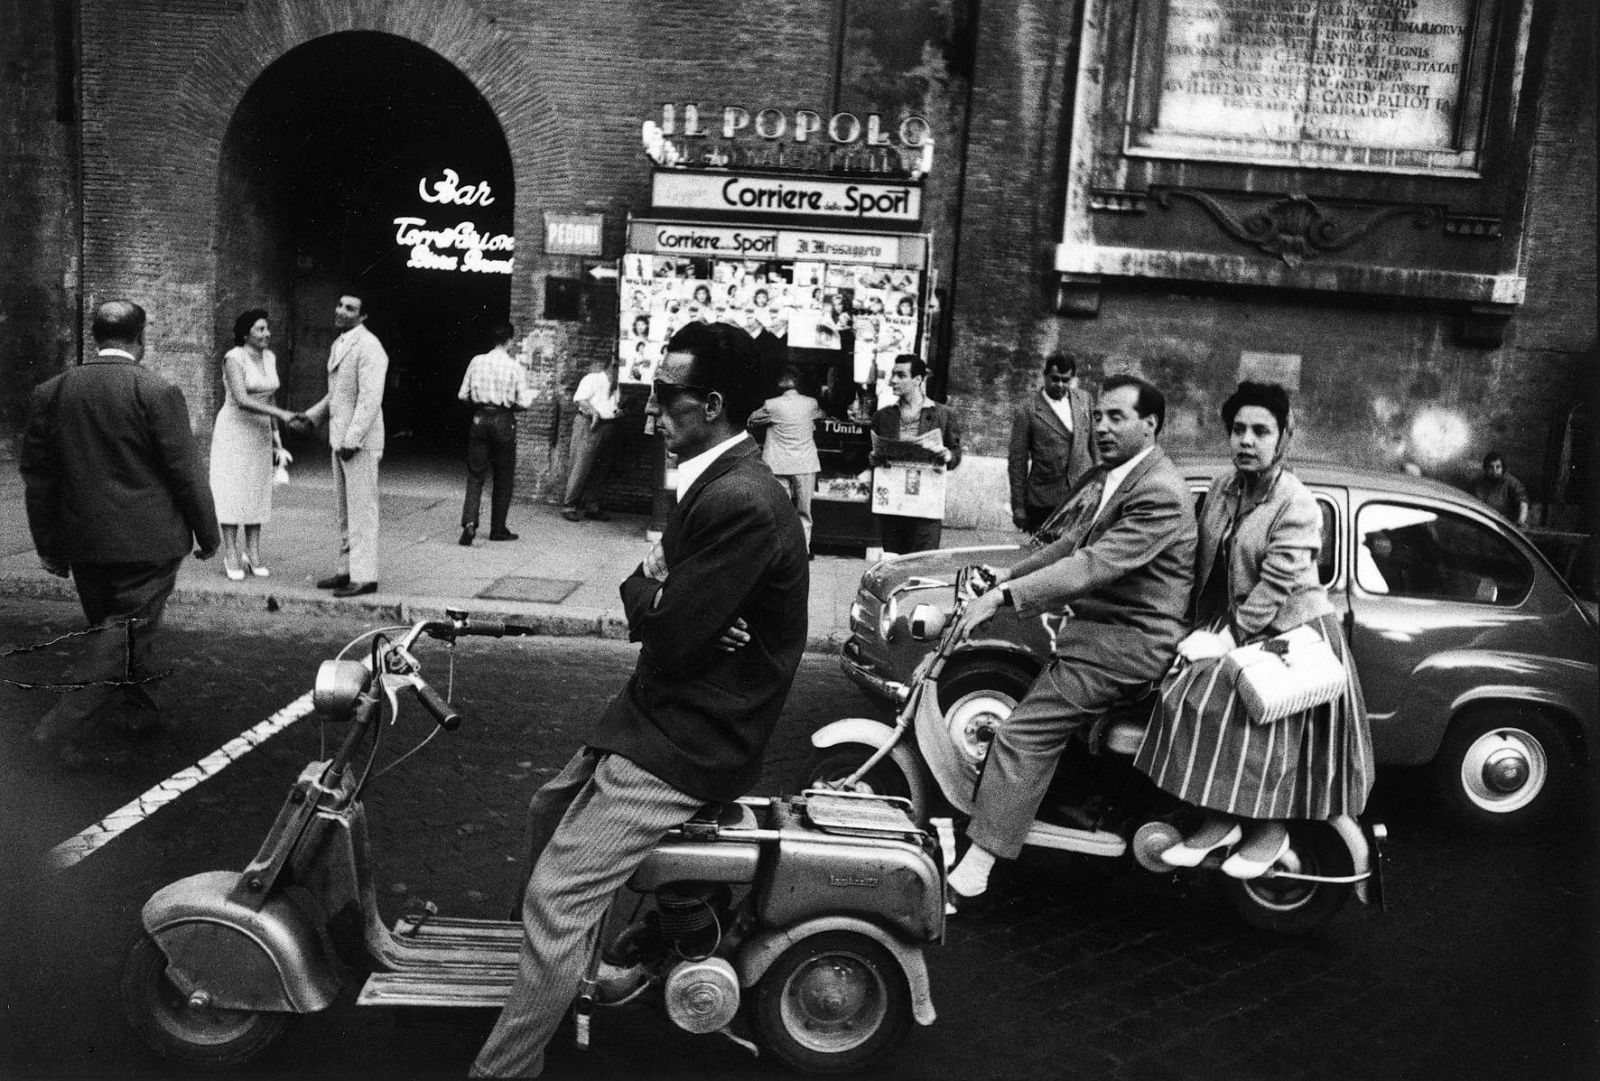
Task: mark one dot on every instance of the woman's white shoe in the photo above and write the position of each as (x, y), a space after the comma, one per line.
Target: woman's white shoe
(1187, 853)
(1257, 855)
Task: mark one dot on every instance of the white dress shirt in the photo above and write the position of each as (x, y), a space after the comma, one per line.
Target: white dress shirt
(1115, 477)
(1062, 407)
(689, 471)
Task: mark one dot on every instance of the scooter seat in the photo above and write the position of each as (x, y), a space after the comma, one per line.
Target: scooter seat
(1121, 729)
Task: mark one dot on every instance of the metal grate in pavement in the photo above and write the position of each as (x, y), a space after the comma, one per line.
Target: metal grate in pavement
(540, 590)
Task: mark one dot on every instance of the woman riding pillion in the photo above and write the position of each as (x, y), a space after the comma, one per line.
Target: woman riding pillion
(1255, 578)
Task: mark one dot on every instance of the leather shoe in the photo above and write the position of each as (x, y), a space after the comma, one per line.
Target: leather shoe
(466, 537)
(957, 903)
(356, 589)
(504, 534)
(335, 581)
(598, 515)
(571, 515)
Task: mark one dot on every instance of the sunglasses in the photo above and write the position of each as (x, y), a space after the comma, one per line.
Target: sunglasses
(667, 394)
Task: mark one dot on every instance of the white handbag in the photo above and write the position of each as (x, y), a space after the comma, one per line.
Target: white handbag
(1291, 672)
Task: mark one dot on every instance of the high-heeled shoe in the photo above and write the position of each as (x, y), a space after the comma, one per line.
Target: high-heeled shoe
(251, 568)
(1191, 852)
(235, 574)
(1266, 846)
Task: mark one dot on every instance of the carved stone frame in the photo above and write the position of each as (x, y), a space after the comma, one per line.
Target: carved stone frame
(1449, 235)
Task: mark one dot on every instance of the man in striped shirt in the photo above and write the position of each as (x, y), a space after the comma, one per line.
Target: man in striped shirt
(497, 386)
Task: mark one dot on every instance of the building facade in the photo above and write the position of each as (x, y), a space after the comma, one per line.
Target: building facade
(212, 155)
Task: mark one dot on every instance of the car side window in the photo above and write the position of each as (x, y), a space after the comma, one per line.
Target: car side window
(1409, 551)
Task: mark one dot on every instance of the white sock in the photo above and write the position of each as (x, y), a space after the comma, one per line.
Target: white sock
(971, 876)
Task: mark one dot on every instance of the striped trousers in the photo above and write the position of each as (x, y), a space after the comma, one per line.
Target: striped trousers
(590, 827)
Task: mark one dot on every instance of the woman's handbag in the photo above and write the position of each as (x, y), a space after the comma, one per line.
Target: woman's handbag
(1291, 672)
(280, 460)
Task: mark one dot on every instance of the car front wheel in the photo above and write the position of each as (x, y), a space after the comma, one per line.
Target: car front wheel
(1503, 767)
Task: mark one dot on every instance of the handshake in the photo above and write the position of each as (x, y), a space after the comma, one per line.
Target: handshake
(299, 423)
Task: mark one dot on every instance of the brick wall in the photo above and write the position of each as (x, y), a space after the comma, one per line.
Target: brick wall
(570, 83)
(1381, 383)
(38, 211)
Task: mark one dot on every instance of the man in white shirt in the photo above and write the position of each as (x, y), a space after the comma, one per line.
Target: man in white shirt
(497, 386)
(592, 431)
(1051, 445)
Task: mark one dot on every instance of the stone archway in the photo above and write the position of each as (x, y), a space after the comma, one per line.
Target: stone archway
(151, 218)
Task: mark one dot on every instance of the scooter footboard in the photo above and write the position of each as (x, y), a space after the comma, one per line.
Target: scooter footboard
(241, 958)
(763, 949)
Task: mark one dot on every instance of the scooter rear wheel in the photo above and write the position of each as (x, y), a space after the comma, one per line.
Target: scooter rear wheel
(834, 1002)
(1288, 906)
(163, 1018)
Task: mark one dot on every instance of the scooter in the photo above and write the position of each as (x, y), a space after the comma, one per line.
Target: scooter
(811, 912)
(1098, 806)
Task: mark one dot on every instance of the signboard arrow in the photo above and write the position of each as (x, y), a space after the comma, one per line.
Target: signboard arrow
(603, 272)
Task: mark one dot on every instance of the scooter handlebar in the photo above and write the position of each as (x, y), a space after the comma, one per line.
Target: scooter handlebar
(442, 711)
(450, 630)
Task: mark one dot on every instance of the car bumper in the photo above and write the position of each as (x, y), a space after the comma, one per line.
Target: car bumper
(865, 677)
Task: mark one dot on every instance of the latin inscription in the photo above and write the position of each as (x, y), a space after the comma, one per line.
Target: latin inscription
(1380, 74)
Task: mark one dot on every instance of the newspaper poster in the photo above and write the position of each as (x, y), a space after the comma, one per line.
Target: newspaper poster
(909, 489)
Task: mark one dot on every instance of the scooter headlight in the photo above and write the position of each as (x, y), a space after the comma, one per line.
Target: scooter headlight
(339, 684)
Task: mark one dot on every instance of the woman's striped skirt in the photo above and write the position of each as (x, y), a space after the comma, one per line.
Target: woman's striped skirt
(1203, 748)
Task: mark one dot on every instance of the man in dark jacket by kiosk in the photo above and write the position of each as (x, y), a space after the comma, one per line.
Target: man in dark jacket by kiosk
(719, 610)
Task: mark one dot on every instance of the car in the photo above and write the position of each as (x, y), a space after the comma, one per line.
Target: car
(1476, 658)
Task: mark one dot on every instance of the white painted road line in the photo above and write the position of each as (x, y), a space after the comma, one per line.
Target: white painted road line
(79, 847)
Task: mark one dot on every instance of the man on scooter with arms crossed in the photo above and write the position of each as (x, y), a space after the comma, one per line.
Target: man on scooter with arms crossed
(719, 607)
(1124, 563)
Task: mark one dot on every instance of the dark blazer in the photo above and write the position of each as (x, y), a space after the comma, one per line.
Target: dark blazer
(1047, 460)
(110, 467)
(1127, 577)
(693, 715)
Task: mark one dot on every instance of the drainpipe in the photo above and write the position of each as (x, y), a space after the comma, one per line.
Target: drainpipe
(947, 313)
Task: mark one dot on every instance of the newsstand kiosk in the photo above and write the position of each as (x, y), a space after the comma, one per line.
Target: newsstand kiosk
(829, 275)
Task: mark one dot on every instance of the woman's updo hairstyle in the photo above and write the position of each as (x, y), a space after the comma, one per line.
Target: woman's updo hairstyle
(247, 319)
(1269, 396)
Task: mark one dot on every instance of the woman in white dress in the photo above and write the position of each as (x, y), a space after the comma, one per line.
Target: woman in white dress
(244, 444)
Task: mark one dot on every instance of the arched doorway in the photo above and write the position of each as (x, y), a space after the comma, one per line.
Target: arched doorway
(335, 173)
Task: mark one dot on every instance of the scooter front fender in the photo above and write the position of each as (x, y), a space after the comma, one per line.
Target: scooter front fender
(241, 958)
(765, 947)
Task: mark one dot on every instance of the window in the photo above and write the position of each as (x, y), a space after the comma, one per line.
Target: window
(1409, 551)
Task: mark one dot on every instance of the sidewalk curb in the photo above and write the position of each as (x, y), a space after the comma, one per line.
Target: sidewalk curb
(545, 619)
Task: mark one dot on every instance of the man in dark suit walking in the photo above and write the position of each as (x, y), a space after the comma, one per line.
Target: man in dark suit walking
(1050, 444)
(115, 499)
(719, 610)
(1125, 565)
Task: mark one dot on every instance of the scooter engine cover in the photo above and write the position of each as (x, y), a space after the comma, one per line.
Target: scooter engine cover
(1152, 839)
(702, 996)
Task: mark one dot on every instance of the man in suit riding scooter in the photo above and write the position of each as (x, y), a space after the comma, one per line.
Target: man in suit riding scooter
(1124, 562)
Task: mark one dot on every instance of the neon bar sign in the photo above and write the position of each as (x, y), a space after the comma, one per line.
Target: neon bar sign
(459, 247)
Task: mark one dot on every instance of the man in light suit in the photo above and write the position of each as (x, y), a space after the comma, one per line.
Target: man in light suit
(115, 498)
(791, 447)
(357, 367)
(719, 610)
(1050, 444)
(1125, 565)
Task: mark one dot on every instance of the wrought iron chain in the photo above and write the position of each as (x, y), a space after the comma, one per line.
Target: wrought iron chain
(127, 681)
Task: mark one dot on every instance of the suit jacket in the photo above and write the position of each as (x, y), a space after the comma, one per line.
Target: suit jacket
(1272, 558)
(1127, 575)
(790, 420)
(1047, 460)
(697, 717)
(357, 368)
(110, 468)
